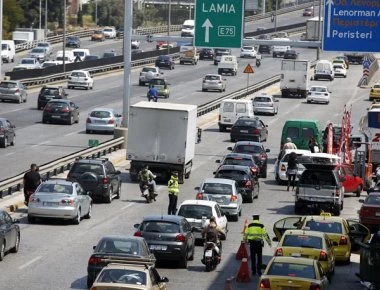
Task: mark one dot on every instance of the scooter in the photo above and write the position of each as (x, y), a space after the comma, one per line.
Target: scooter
(150, 98)
(258, 62)
(210, 257)
(148, 193)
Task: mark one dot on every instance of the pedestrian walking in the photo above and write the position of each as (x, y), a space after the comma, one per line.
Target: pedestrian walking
(255, 234)
(173, 189)
(313, 145)
(32, 180)
(289, 144)
(292, 169)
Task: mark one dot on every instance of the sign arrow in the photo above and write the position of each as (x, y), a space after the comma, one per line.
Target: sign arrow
(207, 25)
(329, 3)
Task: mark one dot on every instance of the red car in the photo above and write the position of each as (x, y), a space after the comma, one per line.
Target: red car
(369, 213)
(351, 182)
(308, 11)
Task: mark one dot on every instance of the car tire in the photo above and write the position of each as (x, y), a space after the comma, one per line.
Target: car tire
(309, 102)
(2, 250)
(264, 175)
(183, 263)
(108, 198)
(141, 83)
(77, 219)
(13, 143)
(31, 219)
(358, 191)
(17, 244)
(235, 218)
(118, 193)
(88, 131)
(19, 100)
(89, 213)
(71, 121)
(4, 144)
(204, 90)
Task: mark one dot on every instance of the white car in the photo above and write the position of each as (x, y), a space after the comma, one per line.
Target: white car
(102, 120)
(248, 51)
(199, 212)
(135, 44)
(265, 104)
(148, 73)
(47, 46)
(81, 79)
(30, 63)
(318, 94)
(109, 32)
(281, 164)
(340, 70)
(38, 53)
(214, 82)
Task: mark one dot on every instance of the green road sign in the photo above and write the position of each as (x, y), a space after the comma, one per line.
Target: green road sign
(218, 23)
(93, 142)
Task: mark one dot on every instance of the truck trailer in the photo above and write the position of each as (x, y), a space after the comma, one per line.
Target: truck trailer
(295, 76)
(312, 29)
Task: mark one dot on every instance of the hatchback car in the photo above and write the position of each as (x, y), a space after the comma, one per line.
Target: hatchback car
(265, 104)
(13, 91)
(165, 61)
(246, 181)
(369, 213)
(98, 176)
(374, 93)
(98, 35)
(198, 214)
(206, 53)
(7, 133)
(309, 11)
(318, 94)
(248, 51)
(80, 79)
(241, 159)
(290, 54)
(345, 59)
(225, 192)
(339, 70)
(9, 234)
(47, 46)
(162, 86)
(249, 129)
(48, 93)
(351, 182)
(281, 164)
(102, 120)
(60, 111)
(109, 32)
(214, 82)
(117, 248)
(38, 53)
(147, 73)
(30, 63)
(257, 150)
(301, 273)
(60, 199)
(170, 237)
(73, 41)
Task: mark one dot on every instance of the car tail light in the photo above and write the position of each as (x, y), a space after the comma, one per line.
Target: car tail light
(264, 284)
(47, 109)
(326, 94)
(343, 240)
(32, 199)
(88, 120)
(105, 180)
(364, 212)
(255, 131)
(65, 110)
(323, 256)
(314, 286)
(254, 170)
(248, 184)
(233, 198)
(112, 121)
(138, 234)
(180, 238)
(86, 79)
(94, 288)
(67, 201)
(17, 90)
(94, 261)
(200, 195)
(279, 252)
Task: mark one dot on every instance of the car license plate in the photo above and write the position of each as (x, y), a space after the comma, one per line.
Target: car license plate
(49, 203)
(296, 255)
(158, 247)
(100, 122)
(56, 117)
(227, 120)
(208, 253)
(288, 288)
(243, 131)
(377, 214)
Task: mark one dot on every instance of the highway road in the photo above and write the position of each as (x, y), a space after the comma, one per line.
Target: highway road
(54, 255)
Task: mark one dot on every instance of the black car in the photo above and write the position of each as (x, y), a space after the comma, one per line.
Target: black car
(246, 181)
(73, 41)
(50, 93)
(206, 53)
(109, 53)
(9, 234)
(290, 54)
(240, 159)
(264, 49)
(7, 133)
(170, 237)
(116, 249)
(98, 176)
(91, 57)
(120, 33)
(249, 129)
(257, 150)
(60, 111)
(165, 61)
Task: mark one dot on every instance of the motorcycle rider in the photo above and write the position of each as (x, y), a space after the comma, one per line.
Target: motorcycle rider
(146, 177)
(153, 94)
(32, 180)
(212, 233)
(258, 60)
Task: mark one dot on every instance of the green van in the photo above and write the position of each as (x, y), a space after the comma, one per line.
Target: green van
(300, 131)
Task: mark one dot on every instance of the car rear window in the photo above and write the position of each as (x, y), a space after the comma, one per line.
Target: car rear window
(232, 174)
(262, 99)
(247, 149)
(303, 241)
(58, 105)
(78, 74)
(247, 123)
(195, 211)
(56, 188)
(324, 226)
(82, 168)
(50, 92)
(228, 107)
(122, 276)
(126, 246)
(160, 227)
(100, 114)
(7, 85)
(312, 177)
(148, 69)
(238, 161)
(374, 200)
(318, 89)
(217, 188)
(212, 78)
(292, 270)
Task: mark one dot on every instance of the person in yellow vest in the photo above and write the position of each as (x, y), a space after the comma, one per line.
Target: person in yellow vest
(173, 189)
(255, 234)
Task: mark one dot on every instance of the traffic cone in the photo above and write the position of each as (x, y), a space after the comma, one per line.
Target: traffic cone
(229, 285)
(245, 226)
(244, 276)
(242, 252)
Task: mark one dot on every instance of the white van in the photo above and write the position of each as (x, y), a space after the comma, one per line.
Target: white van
(228, 64)
(230, 110)
(188, 28)
(81, 52)
(69, 56)
(324, 70)
(8, 50)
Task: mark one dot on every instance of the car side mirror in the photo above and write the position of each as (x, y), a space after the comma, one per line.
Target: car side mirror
(15, 221)
(275, 239)
(361, 200)
(93, 247)
(164, 279)
(214, 172)
(217, 161)
(267, 150)
(117, 172)
(229, 148)
(136, 226)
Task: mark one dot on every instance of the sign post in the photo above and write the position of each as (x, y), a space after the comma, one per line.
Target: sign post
(218, 23)
(248, 70)
(351, 26)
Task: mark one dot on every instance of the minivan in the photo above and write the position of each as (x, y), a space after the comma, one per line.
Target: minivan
(188, 28)
(230, 110)
(81, 52)
(300, 131)
(324, 70)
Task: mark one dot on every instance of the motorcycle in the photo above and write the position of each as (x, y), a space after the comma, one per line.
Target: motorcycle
(210, 257)
(258, 62)
(272, 18)
(150, 98)
(148, 192)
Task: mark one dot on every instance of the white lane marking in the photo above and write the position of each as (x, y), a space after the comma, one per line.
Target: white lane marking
(128, 205)
(72, 133)
(30, 262)
(11, 153)
(42, 143)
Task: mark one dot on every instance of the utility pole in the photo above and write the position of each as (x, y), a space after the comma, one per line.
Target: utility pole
(40, 26)
(275, 17)
(96, 12)
(319, 29)
(169, 23)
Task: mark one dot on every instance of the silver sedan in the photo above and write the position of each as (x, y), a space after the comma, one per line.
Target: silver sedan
(58, 198)
(102, 120)
(214, 82)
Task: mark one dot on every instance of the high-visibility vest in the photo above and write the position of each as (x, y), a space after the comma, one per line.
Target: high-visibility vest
(255, 231)
(173, 186)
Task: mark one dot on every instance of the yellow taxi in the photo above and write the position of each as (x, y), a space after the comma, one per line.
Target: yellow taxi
(374, 105)
(293, 273)
(308, 244)
(374, 92)
(343, 233)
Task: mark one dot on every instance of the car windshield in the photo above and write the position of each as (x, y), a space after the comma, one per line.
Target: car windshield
(56, 188)
(107, 30)
(160, 227)
(122, 276)
(100, 114)
(212, 78)
(292, 270)
(80, 168)
(8, 85)
(247, 48)
(78, 74)
(217, 188)
(324, 226)
(27, 61)
(303, 241)
(232, 174)
(338, 66)
(373, 200)
(38, 50)
(248, 149)
(80, 53)
(120, 246)
(98, 32)
(238, 161)
(247, 123)
(50, 92)
(376, 86)
(159, 82)
(195, 211)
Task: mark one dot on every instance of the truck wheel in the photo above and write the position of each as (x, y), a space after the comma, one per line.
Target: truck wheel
(187, 175)
(181, 62)
(181, 178)
(219, 71)
(222, 128)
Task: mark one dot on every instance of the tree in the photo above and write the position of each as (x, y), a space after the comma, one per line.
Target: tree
(12, 16)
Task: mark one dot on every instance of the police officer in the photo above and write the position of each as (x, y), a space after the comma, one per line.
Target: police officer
(173, 189)
(255, 234)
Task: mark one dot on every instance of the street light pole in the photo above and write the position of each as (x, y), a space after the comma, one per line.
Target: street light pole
(275, 17)
(169, 23)
(1, 34)
(40, 15)
(64, 36)
(46, 12)
(96, 12)
(319, 28)
(189, 11)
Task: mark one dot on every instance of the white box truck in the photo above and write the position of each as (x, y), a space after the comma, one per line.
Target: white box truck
(312, 28)
(295, 76)
(22, 36)
(162, 136)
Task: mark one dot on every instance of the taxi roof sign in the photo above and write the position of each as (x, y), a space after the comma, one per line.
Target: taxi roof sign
(248, 69)
(325, 214)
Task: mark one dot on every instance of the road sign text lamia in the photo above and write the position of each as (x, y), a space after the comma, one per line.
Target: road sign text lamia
(218, 8)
